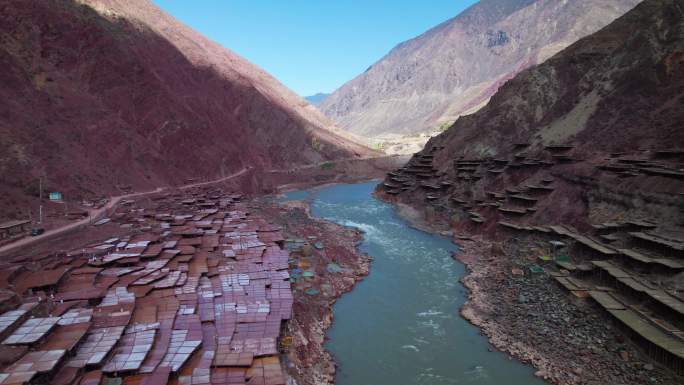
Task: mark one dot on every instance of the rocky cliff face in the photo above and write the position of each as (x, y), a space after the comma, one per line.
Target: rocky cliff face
(101, 93)
(457, 66)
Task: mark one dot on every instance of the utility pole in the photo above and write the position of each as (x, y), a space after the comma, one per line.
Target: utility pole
(40, 209)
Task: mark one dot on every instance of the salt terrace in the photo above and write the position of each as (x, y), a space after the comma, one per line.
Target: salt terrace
(196, 293)
(632, 269)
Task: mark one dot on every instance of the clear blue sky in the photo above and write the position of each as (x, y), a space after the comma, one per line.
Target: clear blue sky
(312, 45)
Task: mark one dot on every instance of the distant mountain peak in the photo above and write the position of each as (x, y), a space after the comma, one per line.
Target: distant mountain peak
(317, 98)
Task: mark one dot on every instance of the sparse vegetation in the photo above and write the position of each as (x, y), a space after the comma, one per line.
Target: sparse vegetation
(316, 144)
(444, 126)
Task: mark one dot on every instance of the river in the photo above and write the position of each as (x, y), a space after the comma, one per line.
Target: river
(400, 326)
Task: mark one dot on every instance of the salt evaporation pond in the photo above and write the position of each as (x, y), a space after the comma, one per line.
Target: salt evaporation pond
(400, 326)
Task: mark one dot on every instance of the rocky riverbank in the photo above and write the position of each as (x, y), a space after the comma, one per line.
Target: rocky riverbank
(329, 253)
(530, 317)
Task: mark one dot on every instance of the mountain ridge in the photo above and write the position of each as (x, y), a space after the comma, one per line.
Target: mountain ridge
(452, 69)
(99, 94)
(317, 98)
(597, 73)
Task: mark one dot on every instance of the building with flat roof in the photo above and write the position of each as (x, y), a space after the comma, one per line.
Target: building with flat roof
(12, 228)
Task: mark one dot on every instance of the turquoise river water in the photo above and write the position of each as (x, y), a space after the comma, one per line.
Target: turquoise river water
(400, 326)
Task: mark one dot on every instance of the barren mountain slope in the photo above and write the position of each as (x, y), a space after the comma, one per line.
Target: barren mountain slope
(455, 67)
(618, 90)
(101, 93)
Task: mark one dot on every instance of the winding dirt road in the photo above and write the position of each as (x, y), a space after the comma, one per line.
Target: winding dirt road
(97, 214)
